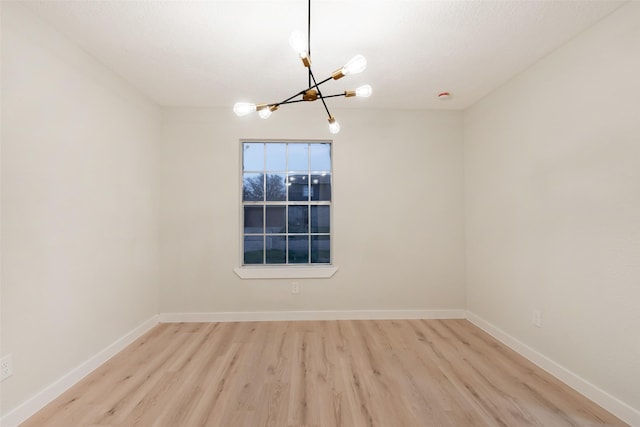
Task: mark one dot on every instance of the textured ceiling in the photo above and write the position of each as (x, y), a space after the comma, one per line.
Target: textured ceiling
(214, 53)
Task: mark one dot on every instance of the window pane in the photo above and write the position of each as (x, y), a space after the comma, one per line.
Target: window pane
(253, 249)
(253, 187)
(321, 187)
(320, 219)
(320, 155)
(321, 249)
(298, 185)
(276, 249)
(298, 219)
(253, 220)
(298, 249)
(277, 157)
(298, 157)
(276, 219)
(253, 156)
(276, 186)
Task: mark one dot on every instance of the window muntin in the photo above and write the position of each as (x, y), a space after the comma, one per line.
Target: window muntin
(286, 198)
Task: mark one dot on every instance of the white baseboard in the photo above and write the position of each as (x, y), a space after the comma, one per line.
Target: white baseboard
(582, 386)
(256, 316)
(41, 399)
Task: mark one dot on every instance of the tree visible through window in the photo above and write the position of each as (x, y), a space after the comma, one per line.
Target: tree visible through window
(286, 198)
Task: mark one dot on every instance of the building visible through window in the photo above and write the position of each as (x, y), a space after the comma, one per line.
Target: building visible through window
(286, 198)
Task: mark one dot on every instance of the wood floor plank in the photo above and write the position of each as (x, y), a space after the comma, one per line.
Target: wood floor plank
(331, 373)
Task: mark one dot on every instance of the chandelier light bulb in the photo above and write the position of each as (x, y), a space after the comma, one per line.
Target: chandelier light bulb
(334, 127)
(298, 43)
(356, 65)
(265, 113)
(364, 91)
(243, 108)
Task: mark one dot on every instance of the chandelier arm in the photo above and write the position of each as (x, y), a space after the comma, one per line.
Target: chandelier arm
(315, 85)
(293, 101)
(322, 82)
(286, 101)
(319, 93)
(333, 96)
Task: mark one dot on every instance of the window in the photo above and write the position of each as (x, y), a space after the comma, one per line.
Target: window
(286, 203)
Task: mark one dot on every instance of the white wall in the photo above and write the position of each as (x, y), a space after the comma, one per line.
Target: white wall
(552, 167)
(398, 207)
(79, 205)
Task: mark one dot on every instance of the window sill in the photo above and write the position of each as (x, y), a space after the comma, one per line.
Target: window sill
(305, 272)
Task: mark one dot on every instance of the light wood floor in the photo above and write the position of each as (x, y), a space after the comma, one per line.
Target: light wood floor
(335, 373)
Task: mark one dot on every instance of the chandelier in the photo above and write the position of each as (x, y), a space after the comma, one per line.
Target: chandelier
(302, 46)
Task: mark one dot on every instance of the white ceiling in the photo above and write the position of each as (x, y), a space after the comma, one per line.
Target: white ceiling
(214, 53)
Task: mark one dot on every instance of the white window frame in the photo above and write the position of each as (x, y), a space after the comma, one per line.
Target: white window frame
(283, 271)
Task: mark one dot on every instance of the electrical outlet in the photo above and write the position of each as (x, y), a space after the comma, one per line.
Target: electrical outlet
(295, 288)
(536, 318)
(6, 367)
